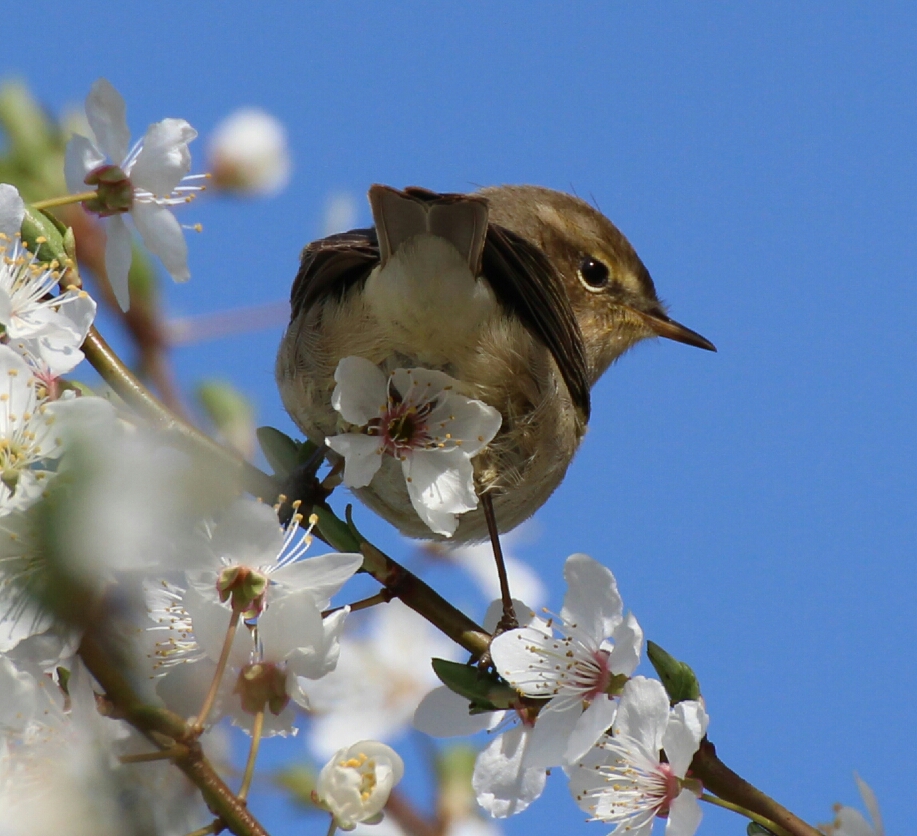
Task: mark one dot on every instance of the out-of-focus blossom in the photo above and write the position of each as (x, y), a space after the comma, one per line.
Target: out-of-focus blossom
(31, 432)
(355, 784)
(146, 181)
(417, 417)
(379, 681)
(623, 782)
(848, 821)
(248, 153)
(340, 213)
(597, 645)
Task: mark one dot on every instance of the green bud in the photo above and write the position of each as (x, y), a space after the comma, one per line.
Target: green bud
(44, 235)
(755, 829)
(484, 690)
(281, 451)
(299, 781)
(677, 677)
(231, 413)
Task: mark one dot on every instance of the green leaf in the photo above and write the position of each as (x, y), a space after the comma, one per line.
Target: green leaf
(484, 690)
(677, 677)
(281, 451)
(755, 829)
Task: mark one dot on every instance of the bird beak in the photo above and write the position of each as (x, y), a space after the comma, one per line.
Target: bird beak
(662, 326)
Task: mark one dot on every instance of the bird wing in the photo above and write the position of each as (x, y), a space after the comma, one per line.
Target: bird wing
(521, 275)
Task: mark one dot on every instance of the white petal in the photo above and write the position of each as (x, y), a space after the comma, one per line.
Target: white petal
(684, 815)
(12, 210)
(80, 158)
(473, 422)
(323, 575)
(441, 480)
(628, 642)
(164, 159)
(361, 392)
(362, 457)
(552, 730)
(107, 115)
(643, 712)
(443, 713)
(163, 236)
(422, 385)
(852, 822)
(293, 622)
(503, 788)
(519, 658)
(592, 601)
(592, 724)
(248, 533)
(872, 804)
(6, 309)
(687, 726)
(118, 259)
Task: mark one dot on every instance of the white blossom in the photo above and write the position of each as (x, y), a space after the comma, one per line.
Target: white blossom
(382, 676)
(248, 536)
(504, 781)
(355, 784)
(418, 417)
(848, 821)
(38, 321)
(596, 643)
(248, 153)
(157, 170)
(623, 781)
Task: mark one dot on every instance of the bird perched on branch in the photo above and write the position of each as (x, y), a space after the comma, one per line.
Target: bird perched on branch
(521, 295)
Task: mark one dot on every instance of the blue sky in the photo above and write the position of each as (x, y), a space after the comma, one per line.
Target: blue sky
(756, 505)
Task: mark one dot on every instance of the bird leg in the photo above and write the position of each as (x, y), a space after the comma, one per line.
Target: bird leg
(508, 621)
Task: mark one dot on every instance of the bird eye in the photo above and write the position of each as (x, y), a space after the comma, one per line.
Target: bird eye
(594, 273)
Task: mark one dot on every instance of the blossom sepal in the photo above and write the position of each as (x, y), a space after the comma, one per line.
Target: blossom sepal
(484, 691)
(678, 679)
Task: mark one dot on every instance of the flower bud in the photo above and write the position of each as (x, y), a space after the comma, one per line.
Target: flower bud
(355, 784)
(248, 153)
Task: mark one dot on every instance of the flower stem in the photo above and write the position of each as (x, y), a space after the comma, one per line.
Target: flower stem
(205, 831)
(728, 805)
(332, 828)
(64, 200)
(218, 674)
(165, 755)
(252, 756)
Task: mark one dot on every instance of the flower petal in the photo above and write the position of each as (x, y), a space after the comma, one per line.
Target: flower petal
(441, 480)
(628, 642)
(502, 786)
(361, 392)
(443, 713)
(118, 259)
(164, 158)
(12, 210)
(643, 712)
(592, 601)
(684, 815)
(107, 115)
(555, 723)
(472, 422)
(687, 726)
(362, 458)
(592, 724)
(80, 158)
(322, 575)
(163, 236)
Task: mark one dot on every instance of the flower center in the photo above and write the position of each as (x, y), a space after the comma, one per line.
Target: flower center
(671, 788)
(403, 427)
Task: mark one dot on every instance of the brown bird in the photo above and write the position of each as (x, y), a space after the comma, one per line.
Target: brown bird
(522, 294)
